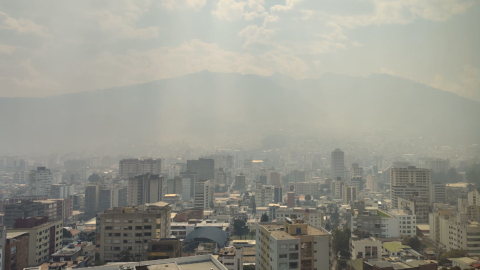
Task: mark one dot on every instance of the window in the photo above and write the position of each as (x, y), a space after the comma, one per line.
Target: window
(282, 256)
(293, 265)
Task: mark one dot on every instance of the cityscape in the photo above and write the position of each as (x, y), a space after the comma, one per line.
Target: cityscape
(240, 135)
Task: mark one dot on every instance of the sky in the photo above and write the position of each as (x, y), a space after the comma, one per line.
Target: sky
(55, 47)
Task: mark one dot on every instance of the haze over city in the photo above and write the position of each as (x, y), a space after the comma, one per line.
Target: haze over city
(240, 134)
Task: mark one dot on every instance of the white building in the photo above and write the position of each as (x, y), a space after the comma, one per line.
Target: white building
(366, 248)
(311, 216)
(338, 163)
(40, 181)
(204, 194)
(263, 195)
(406, 182)
(438, 193)
(349, 194)
(304, 188)
(231, 258)
(372, 183)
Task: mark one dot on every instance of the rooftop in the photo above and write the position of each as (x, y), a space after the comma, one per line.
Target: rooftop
(394, 246)
(463, 260)
(11, 235)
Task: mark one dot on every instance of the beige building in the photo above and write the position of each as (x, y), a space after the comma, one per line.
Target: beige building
(405, 182)
(455, 231)
(420, 206)
(45, 238)
(349, 194)
(365, 248)
(263, 195)
(372, 183)
(231, 257)
(275, 179)
(337, 188)
(130, 228)
(313, 217)
(134, 166)
(147, 188)
(293, 245)
(307, 188)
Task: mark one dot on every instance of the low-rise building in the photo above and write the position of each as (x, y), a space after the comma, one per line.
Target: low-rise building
(231, 257)
(365, 248)
(164, 248)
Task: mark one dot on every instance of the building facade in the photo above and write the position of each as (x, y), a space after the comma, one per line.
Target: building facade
(405, 182)
(147, 188)
(130, 228)
(132, 167)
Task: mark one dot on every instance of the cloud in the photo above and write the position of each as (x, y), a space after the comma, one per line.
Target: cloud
(401, 12)
(289, 4)
(466, 85)
(386, 71)
(232, 10)
(181, 4)
(6, 49)
(22, 26)
(123, 26)
(254, 34)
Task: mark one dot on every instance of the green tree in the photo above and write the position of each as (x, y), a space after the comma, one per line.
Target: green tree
(264, 217)
(254, 205)
(239, 228)
(340, 242)
(412, 242)
(66, 233)
(126, 256)
(308, 197)
(341, 264)
(454, 253)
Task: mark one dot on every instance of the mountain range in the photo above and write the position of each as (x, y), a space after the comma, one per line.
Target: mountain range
(218, 106)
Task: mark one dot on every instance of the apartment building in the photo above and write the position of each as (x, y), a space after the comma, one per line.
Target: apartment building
(349, 194)
(231, 257)
(130, 228)
(16, 251)
(146, 188)
(292, 245)
(204, 194)
(420, 206)
(336, 188)
(45, 237)
(40, 182)
(311, 216)
(132, 167)
(263, 195)
(405, 182)
(455, 231)
(304, 188)
(21, 209)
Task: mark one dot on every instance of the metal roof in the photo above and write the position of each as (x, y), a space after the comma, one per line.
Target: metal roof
(212, 233)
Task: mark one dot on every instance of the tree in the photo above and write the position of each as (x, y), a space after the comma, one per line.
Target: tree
(126, 256)
(239, 228)
(308, 197)
(67, 233)
(264, 218)
(412, 242)
(341, 264)
(340, 242)
(454, 253)
(254, 205)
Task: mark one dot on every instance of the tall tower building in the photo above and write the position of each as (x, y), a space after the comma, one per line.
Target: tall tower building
(349, 194)
(92, 199)
(372, 183)
(40, 181)
(406, 182)
(338, 163)
(203, 167)
(275, 179)
(240, 182)
(147, 188)
(131, 167)
(188, 178)
(204, 194)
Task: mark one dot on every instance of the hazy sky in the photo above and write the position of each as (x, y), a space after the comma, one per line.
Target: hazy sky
(54, 47)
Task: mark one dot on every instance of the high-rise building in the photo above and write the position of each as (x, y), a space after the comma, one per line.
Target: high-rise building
(263, 195)
(204, 194)
(22, 209)
(349, 194)
(92, 199)
(406, 182)
(59, 191)
(437, 193)
(240, 182)
(147, 188)
(372, 183)
(438, 165)
(262, 178)
(204, 168)
(134, 166)
(307, 188)
(40, 181)
(277, 194)
(174, 186)
(336, 188)
(130, 228)
(290, 199)
(16, 251)
(338, 163)
(356, 170)
(112, 197)
(189, 177)
(420, 206)
(275, 179)
(293, 245)
(45, 237)
(3, 248)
